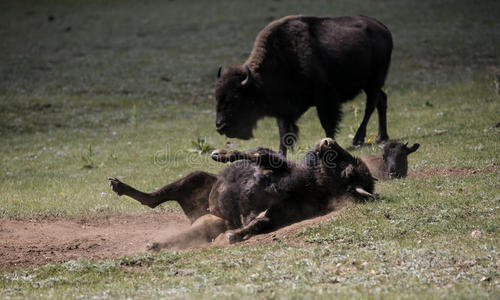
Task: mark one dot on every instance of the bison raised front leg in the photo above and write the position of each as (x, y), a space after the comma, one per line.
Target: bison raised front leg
(263, 157)
(224, 155)
(191, 192)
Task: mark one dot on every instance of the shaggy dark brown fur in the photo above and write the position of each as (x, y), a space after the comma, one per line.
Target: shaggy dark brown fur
(298, 62)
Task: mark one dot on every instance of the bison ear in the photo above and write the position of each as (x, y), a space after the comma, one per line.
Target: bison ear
(248, 78)
(219, 72)
(412, 149)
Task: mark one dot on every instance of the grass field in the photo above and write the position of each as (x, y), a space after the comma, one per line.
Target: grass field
(91, 89)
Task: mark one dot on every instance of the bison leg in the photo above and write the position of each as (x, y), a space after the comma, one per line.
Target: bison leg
(258, 225)
(191, 192)
(204, 230)
(263, 157)
(382, 118)
(372, 97)
(289, 133)
(329, 114)
(224, 155)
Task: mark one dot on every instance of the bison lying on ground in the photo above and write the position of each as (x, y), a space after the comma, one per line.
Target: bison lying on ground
(298, 62)
(261, 190)
(392, 163)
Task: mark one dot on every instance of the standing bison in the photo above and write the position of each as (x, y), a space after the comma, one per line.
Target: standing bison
(298, 62)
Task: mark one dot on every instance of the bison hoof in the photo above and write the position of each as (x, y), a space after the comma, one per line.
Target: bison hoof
(382, 138)
(327, 143)
(233, 237)
(116, 185)
(219, 155)
(358, 142)
(153, 247)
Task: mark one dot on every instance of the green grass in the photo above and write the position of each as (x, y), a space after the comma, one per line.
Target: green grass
(272, 271)
(135, 82)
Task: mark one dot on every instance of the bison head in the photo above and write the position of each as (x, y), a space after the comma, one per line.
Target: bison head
(395, 155)
(352, 171)
(236, 95)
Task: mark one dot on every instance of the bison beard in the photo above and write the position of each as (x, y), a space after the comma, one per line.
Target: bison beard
(260, 191)
(298, 62)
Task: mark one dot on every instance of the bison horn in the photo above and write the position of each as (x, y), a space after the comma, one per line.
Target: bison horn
(249, 74)
(364, 193)
(219, 72)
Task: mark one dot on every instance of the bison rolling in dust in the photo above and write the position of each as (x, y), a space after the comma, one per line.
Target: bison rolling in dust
(298, 62)
(260, 191)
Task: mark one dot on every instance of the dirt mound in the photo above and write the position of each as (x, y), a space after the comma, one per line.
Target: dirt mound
(425, 173)
(37, 242)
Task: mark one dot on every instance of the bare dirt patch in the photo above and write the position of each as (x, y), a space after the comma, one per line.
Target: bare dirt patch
(425, 173)
(25, 243)
(37, 242)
